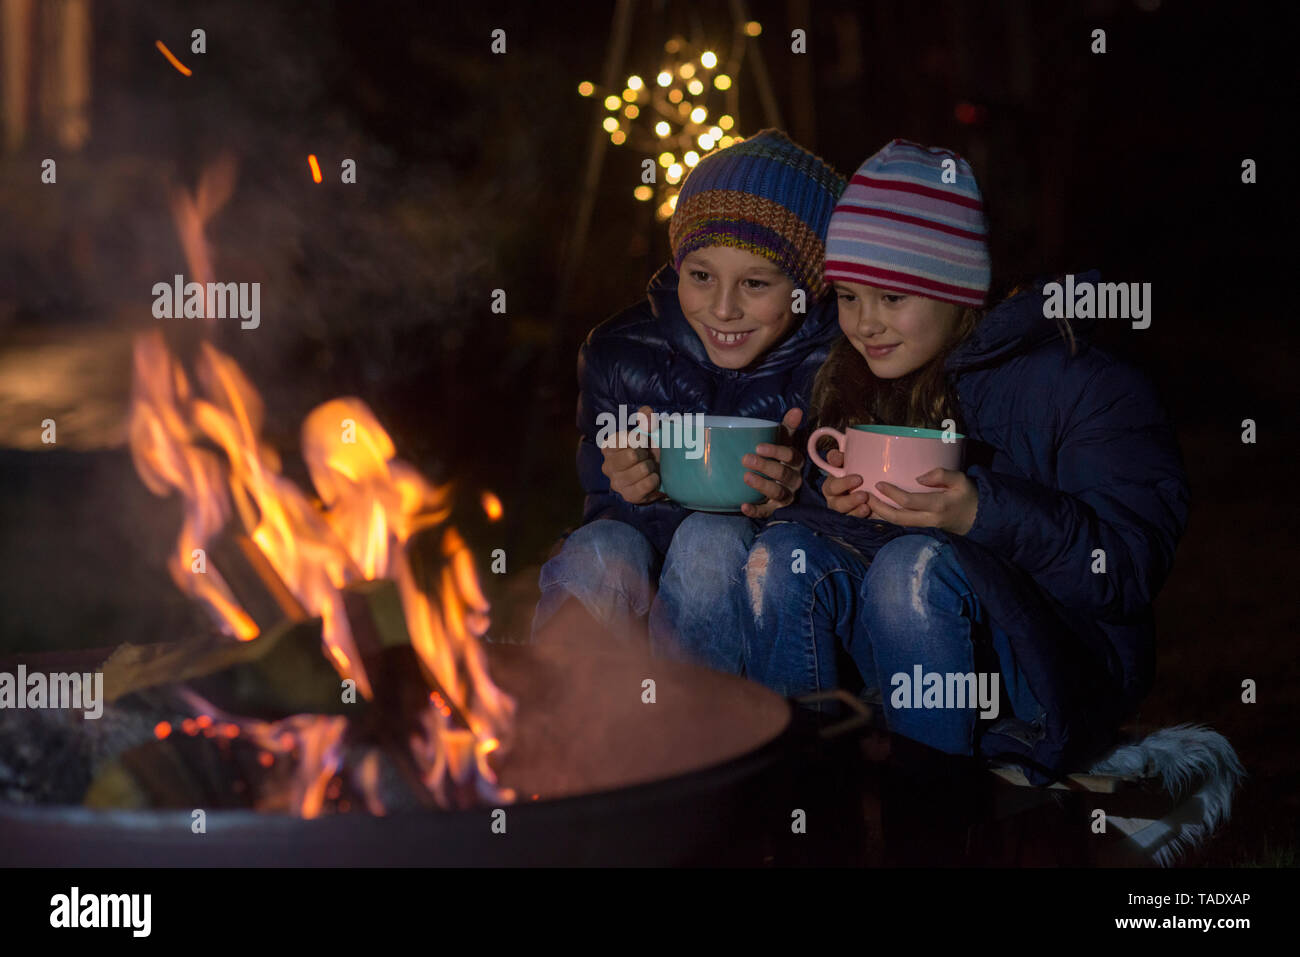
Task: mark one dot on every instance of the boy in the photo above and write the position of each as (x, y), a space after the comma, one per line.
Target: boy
(737, 324)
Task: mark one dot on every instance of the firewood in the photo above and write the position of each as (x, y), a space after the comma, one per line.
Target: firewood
(272, 676)
(374, 610)
(180, 772)
(255, 585)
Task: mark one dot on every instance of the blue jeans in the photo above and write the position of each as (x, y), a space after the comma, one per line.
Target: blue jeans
(610, 567)
(809, 595)
(613, 570)
(696, 615)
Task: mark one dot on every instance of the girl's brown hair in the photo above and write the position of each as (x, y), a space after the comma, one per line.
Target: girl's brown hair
(846, 392)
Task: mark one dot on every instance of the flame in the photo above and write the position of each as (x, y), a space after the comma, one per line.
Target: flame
(370, 506)
(172, 59)
(204, 442)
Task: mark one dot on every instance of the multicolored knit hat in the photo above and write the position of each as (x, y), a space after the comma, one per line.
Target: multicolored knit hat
(900, 226)
(765, 194)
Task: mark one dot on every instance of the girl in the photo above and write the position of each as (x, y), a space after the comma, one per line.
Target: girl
(1038, 563)
(722, 332)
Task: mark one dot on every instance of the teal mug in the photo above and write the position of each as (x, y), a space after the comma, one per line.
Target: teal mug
(705, 473)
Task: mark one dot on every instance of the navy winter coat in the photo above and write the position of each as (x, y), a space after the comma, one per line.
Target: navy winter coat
(1070, 455)
(648, 354)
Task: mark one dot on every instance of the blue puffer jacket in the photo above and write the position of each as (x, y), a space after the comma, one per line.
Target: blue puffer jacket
(1070, 455)
(648, 354)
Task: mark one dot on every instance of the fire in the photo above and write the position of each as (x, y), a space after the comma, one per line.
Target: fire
(171, 58)
(370, 505)
(315, 167)
(204, 442)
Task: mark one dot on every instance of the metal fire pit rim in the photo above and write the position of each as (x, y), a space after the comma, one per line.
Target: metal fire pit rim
(240, 837)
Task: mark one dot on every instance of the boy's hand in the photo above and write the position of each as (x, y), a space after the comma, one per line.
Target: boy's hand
(839, 492)
(633, 473)
(781, 463)
(952, 508)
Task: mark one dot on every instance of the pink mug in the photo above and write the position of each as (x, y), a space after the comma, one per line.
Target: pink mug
(889, 453)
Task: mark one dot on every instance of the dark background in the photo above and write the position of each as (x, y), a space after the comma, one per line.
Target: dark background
(469, 172)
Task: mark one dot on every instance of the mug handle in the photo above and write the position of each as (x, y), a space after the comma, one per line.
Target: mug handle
(820, 462)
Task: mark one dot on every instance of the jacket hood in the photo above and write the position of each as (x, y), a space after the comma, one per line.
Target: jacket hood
(820, 325)
(1016, 325)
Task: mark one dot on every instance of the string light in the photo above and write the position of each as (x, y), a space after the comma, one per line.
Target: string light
(673, 113)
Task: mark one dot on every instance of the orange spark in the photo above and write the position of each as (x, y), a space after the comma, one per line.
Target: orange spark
(174, 62)
(162, 729)
(492, 505)
(315, 167)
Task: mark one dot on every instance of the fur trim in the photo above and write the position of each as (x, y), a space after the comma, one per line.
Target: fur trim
(1198, 767)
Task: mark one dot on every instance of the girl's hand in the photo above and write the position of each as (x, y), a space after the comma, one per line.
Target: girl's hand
(633, 473)
(951, 509)
(839, 492)
(783, 466)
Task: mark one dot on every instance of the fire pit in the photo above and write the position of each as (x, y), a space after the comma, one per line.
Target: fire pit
(713, 770)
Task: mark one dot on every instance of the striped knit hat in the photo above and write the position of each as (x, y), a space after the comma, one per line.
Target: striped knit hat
(899, 226)
(766, 195)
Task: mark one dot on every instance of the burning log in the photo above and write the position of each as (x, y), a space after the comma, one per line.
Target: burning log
(374, 611)
(180, 772)
(255, 585)
(401, 685)
(280, 673)
(277, 674)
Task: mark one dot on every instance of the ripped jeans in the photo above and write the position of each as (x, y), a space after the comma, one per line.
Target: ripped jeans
(807, 596)
(613, 569)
